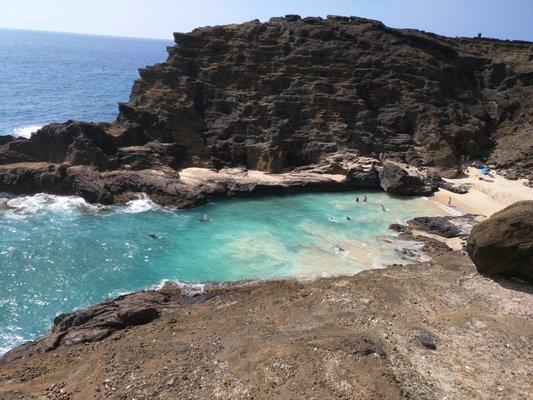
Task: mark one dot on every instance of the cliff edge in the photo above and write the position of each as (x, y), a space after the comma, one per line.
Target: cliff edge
(288, 94)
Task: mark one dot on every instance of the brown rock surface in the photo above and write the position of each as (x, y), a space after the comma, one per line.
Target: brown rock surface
(503, 244)
(292, 92)
(396, 179)
(427, 332)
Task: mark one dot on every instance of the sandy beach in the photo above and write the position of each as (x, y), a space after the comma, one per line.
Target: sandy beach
(486, 196)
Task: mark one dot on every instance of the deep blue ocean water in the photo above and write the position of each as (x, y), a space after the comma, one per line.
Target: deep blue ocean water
(52, 77)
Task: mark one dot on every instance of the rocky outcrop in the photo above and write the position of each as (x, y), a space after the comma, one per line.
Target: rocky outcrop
(96, 322)
(396, 179)
(371, 336)
(447, 226)
(292, 92)
(503, 244)
(6, 139)
(359, 177)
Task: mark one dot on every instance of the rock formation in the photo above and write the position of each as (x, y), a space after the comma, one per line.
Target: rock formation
(426, 332)
(503, 244)
(288, 94)
(394, 179)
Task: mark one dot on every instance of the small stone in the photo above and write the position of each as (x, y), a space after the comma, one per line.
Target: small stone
(427, 341)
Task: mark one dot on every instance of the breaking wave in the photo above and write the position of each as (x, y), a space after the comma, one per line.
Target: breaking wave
(19, 206)
(142, 204)
(25, 131)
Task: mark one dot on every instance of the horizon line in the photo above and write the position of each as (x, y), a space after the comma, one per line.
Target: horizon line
(171, 39)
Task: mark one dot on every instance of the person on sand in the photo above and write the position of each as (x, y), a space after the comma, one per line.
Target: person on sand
(364, 198)
(449, 200)
(383, 208)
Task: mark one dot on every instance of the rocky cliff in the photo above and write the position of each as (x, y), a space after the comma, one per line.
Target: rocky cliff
(292, 92)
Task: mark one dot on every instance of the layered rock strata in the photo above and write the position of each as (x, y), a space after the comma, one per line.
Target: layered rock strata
(290, 94)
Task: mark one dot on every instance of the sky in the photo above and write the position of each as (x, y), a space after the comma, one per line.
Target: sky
(504, 19)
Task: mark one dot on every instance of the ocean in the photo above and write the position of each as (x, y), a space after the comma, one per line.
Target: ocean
(53, 77)
(60, 253)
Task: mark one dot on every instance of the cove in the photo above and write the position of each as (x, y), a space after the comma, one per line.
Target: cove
(60, 253)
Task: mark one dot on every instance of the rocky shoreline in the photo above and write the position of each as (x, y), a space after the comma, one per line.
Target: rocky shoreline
(292, 94)
(299, 104)
(424, 331)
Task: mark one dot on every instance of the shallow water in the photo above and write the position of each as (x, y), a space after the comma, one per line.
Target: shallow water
(60, 253)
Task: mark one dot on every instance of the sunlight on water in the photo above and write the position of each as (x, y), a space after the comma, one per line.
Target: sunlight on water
(60, 253)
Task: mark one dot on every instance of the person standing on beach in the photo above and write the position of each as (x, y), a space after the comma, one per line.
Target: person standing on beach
(449, 200)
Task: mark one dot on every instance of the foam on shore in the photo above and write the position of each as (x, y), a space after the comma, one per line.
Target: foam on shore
(25, 131)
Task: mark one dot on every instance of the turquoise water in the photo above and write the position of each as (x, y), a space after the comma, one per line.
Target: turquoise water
(51, 77)
(59, 253)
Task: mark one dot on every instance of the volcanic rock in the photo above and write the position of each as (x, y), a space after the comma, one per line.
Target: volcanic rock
(360, 178)
(293, 92)
(95, 323)
(447, 226)
(503, 244)
(395, 179)
(6, 139)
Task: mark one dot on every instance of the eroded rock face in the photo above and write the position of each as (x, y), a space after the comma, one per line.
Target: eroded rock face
(96, 322)
(293, 93)
(447, 226)
(287, 92)
(396, 179)
(503, 244)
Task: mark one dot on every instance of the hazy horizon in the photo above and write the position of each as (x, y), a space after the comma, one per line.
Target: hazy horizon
(158, 19)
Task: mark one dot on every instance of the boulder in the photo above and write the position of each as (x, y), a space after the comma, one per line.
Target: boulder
(503, 244)
(395, 179)
(6, 139)
(96, 322)
(357, 177)
(447, 226)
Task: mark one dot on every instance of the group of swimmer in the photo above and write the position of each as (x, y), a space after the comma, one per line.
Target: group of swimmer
(365, 199)
(204, 218)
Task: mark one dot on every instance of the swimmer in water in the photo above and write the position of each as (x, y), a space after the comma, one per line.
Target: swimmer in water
(348, 218)
(153, 236)
(357, 199)
(364, 198)
(331, 219)
(383, 208)
(203, 218)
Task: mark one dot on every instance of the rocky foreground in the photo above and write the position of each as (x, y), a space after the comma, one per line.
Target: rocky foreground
(288, 95)
(431, 330)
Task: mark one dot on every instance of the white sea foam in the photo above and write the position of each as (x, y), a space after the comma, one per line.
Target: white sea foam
(19, 206)
(23, 205)
(189, 289)
(449, 210)
(25, 131)
(10, 339)
(141, 204)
